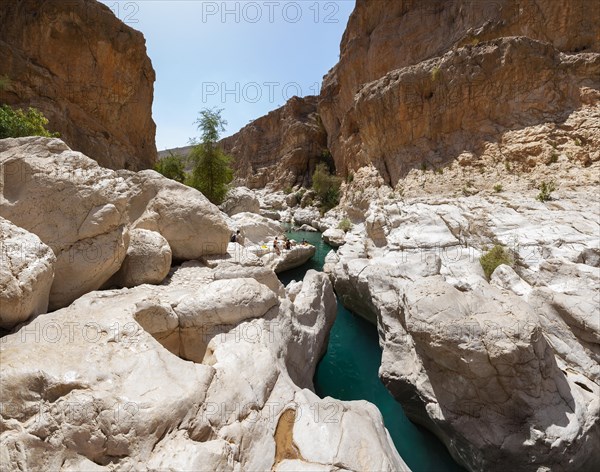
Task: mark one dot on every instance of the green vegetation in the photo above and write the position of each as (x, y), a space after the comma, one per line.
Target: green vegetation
(424, 166)
(326, 186)
(493, 258)
(350, 177)
(172, 167)
(498, 188)
(553, 158)
(16, 123)
(546, 189)
(345, 225)
(211, 171)
(435, 73)
(578, 142)
(287, 190)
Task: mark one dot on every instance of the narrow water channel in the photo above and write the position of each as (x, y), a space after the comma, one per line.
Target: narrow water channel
(349, 371)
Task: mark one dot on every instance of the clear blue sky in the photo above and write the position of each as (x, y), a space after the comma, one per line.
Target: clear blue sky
(246, 57)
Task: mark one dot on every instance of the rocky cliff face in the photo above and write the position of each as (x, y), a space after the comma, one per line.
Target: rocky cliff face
(281, 148)
(87, 71)
(422, 82)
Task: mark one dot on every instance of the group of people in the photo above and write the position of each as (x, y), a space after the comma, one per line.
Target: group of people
(277, 245)
(286, 244)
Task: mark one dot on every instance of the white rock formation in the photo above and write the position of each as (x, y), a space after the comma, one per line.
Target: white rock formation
(506, 372)
(148, 260)
(279, 261)
(84, 212)
(240, 200)
(205, 372)
(26, 274)
(256, 229)
(307, 216)
(334, 237)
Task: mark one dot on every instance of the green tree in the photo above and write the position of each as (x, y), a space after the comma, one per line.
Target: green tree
(326, 186)
(15, 123)
(211, 172)
(172, 167)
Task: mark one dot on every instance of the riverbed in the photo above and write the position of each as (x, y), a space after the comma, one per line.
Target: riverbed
(349, 371)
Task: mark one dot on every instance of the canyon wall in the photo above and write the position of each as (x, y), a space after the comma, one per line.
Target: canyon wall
(280, 148)
(419, 83)
(87, 71)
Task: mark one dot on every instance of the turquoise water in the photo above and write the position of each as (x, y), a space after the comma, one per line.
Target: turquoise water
(348, 371)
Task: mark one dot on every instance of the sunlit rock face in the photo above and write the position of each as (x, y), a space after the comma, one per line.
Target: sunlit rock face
(422, 82)
(86, 213)
(87, 71)
(280, 149)
(505, 371)
(211, 369)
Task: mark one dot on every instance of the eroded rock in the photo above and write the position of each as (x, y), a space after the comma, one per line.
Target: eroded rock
(26, 274)
(462, 353)
(88, 72)
(229, 408)
(84, 212)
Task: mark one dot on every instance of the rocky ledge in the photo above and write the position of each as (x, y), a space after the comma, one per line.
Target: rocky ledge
(505, 371)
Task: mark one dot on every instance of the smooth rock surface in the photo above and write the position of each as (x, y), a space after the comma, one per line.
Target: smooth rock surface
(460, 353)
(228, 359)
(84, 212)
(307, 216)
(148, 259)
(240, 200)
(26, 274)
(256, 229)
(334, 237)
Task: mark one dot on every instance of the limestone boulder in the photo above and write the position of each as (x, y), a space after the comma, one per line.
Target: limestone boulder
(334, 237)
(271, 214)
(85, 212)
(73, 205)
(148, 260)
(223, 356)
(307, 216)
(26, 275)
(240, 200)
(284, 259)
(192, 225)
(256, 229)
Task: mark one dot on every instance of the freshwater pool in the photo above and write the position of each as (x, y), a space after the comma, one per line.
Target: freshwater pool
(349, 371)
